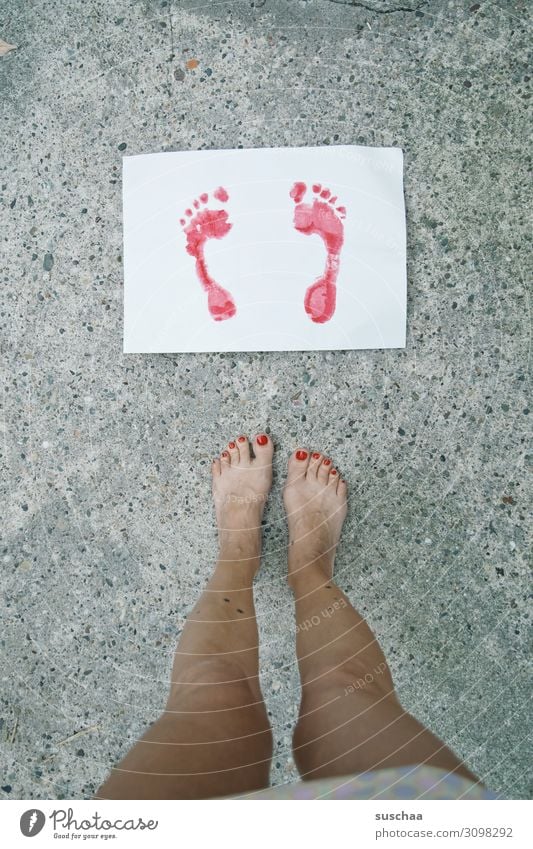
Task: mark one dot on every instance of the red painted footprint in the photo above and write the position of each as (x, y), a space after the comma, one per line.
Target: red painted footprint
(322, 217)
(199, 225)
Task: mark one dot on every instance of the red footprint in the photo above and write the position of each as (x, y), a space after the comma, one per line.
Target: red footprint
(207, 224)
(322, 217)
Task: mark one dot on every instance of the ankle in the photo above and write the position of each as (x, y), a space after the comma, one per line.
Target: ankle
(240, 540)
(239, 554)
(307, 575)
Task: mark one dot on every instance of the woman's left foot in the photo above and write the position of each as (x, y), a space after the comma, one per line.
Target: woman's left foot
(315, 498)
(242, 477)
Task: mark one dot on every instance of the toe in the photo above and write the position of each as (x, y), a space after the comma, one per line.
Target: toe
(314, 463)
(215, 468)
(342, 489)
(298, 464)
(244, 449)
(233, 452)
(323, 470)
(298, 191)
(225, 461)
(333, 479)
(263, 447)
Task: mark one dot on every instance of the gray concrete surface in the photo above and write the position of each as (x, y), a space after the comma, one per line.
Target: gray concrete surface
(107, 532)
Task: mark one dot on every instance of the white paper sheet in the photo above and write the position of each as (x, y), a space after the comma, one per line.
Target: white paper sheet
(273, 253)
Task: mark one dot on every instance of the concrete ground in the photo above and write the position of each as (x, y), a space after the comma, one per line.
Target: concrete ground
(107, 533)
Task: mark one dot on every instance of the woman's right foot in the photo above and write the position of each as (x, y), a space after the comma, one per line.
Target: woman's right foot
(315, 499)
(242, 478)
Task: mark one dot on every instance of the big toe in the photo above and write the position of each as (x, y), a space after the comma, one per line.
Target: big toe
(298, 463)
(263, 449)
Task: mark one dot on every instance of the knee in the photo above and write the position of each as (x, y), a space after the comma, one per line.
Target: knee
(349, 679)
(211, 685)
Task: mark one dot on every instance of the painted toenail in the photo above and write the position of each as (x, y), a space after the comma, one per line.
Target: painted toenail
(262, 439)
(316, 455)
(241, 439)
(231, 445)
(327, 462)
(301, 455)
(225, 454)
(333, 472)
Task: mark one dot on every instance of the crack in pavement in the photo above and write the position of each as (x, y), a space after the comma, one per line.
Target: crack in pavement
(357, 5)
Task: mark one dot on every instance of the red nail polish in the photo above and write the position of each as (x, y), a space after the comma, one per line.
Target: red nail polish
(333, 472)
(231, 445)
(327, 462)
(316, 455)
(225, 454)
(301, 455)
(262, 439)
(241, 439)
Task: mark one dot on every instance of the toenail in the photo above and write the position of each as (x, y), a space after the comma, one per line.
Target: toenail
(316, 455)
(301, 455)
(225, 454)
(241, 439)
(231, 445)
(327, 462)
(333, 472)
(262, 439)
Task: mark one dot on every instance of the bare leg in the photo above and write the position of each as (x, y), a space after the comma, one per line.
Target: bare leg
(214, 738)
(350, 717)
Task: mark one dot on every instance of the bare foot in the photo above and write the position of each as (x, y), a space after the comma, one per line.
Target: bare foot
(315, 499)
(324, 218)
(199, 225)
(242, 478)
